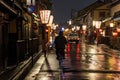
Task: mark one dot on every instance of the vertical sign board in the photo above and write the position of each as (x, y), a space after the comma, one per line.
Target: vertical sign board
(30, 2)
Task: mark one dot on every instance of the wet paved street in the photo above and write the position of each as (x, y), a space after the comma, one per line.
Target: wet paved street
(83, 62)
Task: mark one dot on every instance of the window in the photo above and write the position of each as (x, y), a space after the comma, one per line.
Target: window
(102, 14)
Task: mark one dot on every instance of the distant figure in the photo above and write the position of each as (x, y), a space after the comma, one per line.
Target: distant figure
(60, 42)
(92, 37)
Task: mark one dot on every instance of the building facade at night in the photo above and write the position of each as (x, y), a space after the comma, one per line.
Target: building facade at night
(106, 11)
(20, 32)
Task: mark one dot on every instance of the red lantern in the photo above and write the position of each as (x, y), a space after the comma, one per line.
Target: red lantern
(100, 30)
(114, 34)
(118, 29)
(46, 30)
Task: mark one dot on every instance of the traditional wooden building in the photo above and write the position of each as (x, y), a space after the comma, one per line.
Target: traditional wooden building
(19, 40)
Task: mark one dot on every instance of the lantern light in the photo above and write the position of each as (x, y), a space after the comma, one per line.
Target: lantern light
(84, 27)
(114, 34)
(98, 24)
(94, 23)
(50, 20)
(111, 24)
(118, 29)
(44, 16)
(70, 22)
(100, 30)
(46, 30)
(78, 27)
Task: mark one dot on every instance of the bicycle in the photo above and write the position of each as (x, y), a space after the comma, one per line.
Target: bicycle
(60, 59)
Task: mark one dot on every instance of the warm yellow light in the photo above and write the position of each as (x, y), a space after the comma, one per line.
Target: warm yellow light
(44, 16)
(111, 24)
(94, 22)
(66, 30)
(84, 27)
(114, 34)
(78, 27)
(97, 24)
(50, 20)
(46, 30)
(70, 22)
(118, 29)
(100, 30)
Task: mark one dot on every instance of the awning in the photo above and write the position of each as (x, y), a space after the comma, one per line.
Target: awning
(116, 16)
(107, 19)
(6, 8)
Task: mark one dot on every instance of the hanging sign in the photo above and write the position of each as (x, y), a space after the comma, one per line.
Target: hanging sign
(31, 8)
(30, 2)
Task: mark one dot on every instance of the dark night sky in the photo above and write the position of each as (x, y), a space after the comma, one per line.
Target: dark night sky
(62, 8)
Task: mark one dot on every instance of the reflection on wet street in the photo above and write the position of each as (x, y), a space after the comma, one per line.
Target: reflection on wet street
(83, 62)
(94, 62)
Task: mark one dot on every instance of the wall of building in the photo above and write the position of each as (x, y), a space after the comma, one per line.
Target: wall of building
(97, 11)
(15, 48)
(115, 9)
(1, 48)
(3, 40)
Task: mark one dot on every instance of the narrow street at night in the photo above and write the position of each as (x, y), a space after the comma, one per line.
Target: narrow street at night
(59, 39)
(83, 62)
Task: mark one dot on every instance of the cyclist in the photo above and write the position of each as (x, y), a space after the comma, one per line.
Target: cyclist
(60, 42)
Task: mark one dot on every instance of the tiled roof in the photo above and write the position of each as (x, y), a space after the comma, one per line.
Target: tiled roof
(115, 3)
(90, 7)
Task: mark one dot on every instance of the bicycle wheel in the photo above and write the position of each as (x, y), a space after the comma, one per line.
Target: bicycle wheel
(61, 65)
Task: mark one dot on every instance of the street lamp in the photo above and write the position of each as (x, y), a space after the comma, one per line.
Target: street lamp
(44, 18)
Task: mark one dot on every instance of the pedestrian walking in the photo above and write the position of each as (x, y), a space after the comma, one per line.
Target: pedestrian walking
(60, 42)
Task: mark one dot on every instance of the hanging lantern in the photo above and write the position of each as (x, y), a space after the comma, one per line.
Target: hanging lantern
(114, 34)
(118, 29)
(84, 27)
(97, 24)
(111, 24)
(44, 16)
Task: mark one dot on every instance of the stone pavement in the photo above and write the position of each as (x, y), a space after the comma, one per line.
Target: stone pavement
(72, 63)
(36, 68)
(35, 72)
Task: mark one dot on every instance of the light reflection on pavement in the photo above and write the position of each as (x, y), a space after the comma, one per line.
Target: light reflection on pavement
(83, 62)
(96, 63)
